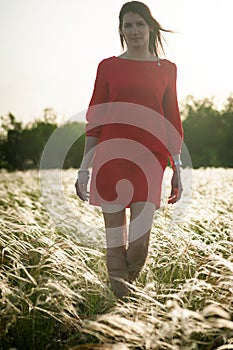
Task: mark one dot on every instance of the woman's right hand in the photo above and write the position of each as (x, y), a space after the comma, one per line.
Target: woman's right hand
(176, 186)
(81, 184)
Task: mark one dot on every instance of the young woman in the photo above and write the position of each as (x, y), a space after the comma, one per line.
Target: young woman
(133, 126)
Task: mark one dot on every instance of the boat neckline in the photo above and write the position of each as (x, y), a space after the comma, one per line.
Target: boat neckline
(132, 60)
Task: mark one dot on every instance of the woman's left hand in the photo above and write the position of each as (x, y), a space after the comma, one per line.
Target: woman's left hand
(176, 186)
(81, 185)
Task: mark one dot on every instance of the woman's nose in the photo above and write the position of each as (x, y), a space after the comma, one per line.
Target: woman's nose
(134, 30)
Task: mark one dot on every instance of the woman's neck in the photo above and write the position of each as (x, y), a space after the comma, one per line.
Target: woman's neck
(137, 54)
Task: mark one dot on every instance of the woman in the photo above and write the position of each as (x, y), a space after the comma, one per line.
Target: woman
(133, 126)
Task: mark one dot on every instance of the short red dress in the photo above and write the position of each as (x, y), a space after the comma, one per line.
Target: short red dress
(135, 116)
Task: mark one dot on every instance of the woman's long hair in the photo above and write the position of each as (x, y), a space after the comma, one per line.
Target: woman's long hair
(155, 39)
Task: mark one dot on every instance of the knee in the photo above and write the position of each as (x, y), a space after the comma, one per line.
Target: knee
(114, 220)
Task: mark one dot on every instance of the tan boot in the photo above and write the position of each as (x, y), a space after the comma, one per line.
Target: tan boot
(117, 270)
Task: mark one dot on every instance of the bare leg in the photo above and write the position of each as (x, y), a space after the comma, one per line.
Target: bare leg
(139, 235)
(116, 238)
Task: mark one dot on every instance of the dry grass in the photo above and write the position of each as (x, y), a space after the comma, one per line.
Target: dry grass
(54, 288)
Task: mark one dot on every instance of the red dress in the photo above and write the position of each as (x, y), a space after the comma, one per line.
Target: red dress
(134, 113)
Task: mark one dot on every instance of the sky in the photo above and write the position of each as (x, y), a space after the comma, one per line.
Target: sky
(50, 50)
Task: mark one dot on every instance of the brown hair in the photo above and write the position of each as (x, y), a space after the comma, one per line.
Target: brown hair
(155, 40)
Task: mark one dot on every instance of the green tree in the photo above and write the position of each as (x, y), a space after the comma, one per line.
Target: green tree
(10, 142)
(226, 150)
(205, 132)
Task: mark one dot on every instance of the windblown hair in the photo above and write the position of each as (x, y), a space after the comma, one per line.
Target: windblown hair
(156, 38)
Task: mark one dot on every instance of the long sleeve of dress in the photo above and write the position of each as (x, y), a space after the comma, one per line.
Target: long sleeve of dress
(172, 114)
(95, 114)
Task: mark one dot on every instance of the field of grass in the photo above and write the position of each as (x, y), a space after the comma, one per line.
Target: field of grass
(55, 292)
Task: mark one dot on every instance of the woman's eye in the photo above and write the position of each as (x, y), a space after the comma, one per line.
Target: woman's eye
(139, 24)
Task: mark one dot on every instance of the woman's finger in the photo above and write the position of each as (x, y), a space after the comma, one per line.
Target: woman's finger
(175, 195)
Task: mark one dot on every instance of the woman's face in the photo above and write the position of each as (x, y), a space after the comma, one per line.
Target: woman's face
(135, 30)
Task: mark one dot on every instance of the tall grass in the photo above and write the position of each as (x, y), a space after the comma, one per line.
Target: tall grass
(55, 292)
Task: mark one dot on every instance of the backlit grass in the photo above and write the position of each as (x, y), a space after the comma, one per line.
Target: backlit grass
(54, 287)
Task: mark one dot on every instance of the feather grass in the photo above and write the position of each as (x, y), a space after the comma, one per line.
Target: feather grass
(55, 292)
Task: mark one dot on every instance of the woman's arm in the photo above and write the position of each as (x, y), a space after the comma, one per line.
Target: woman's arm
(89, 151)
(94, 117)
(174, 133)
(172, 114)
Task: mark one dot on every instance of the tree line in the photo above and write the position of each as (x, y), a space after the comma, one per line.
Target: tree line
(207, 135)
(21, 147)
